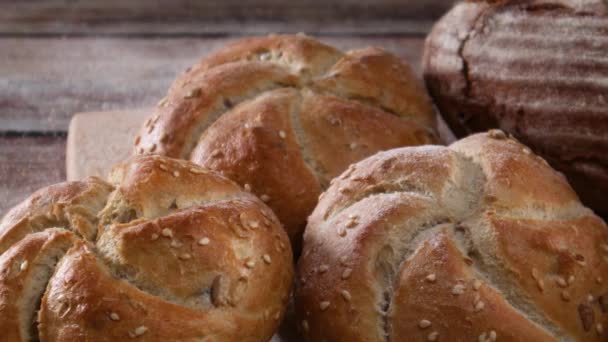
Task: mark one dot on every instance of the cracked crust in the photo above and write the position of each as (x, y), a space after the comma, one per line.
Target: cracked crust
(534, 69)
(465, 242)
(178, 253)
(282, 115)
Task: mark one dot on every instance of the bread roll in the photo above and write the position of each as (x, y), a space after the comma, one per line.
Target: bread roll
(164, 251)
(283, 115)
(536, 69)
(479, 241)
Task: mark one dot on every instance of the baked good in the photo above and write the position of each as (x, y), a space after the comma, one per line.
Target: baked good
(283, 115)
(478, 241)
(536, 69)
(164, 251)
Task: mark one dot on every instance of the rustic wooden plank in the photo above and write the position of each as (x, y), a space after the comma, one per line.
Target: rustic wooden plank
(210, 16)
(45, 81)
(27, 164)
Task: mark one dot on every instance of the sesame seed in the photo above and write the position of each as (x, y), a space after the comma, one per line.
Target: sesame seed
(324, 305)
(605, 247)
(425, 323)
(276, 316)
(346, 295)
(166, 232)
(353, 217)
(250, 264)
(458, 289)
(590, 298)
(432, 336)
(254, 224)
(526, 150)
(342, 231)
(154, 236)
(497, 134)
(571, 279)
(265, 198)
(114, 316)
(196, 171)
(193, 93)
(482, 337)
(431, 278)
(140, 330)
(343, 260)
(479, 306)
(561, 282)
(266, 258)
(163, 167)
(353, 146)
(176, 244)
(598, 280)
(282, 134)
(534, 274)
(305, 325)
(247, 187)
(185, 256)
(24, 265)
(566, 295)
(476, 284)
(599, 328)
(323, 268)
(216, 153)
(541, 285)
(176, 173)
(346, 273)
(493, 336)
(351, 224)
(204, 241)
(265, 56)
(137, 140)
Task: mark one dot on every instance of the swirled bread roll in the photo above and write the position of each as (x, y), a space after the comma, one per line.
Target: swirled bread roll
(479, 241)
(164, 251)
(283, 115)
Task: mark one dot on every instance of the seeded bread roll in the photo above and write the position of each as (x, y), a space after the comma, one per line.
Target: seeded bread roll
(164, 251)
(283, 115)
(479, 241)
(536, 69)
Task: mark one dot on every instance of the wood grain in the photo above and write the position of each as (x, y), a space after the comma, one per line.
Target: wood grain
(211, 16)
(46, 80)
(27, 164)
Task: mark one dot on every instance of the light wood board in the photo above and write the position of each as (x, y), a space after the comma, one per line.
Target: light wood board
(99, 140)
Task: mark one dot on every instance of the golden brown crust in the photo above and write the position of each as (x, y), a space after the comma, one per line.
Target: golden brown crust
(257, 111)
(477, 241)
(20, 279)
(71, 205)
(180, 253)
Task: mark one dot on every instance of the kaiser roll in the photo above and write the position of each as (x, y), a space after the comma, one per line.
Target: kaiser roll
(283, 115)
(479, 241)
(537, 69)
(166, 251)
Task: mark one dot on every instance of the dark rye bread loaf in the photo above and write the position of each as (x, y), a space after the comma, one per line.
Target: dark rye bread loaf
(536, 69)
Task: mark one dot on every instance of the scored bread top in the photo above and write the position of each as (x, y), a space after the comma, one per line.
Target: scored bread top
(481, 240)
(282, 115)
(171, 251)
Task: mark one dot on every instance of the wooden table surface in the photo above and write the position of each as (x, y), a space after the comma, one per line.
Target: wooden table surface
(58, 58)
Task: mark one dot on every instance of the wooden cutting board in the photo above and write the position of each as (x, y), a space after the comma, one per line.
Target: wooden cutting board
(99, 140)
